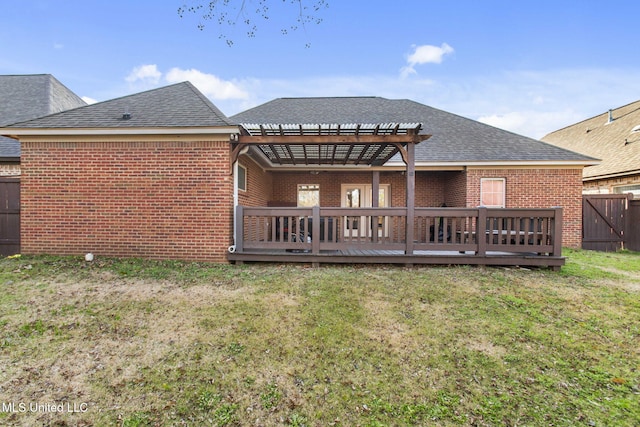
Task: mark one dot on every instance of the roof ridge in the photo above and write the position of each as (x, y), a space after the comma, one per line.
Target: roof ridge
(26, 75)
(333, 97)
(97, 104)
(179, 104)
(215, 110)
(137, 93)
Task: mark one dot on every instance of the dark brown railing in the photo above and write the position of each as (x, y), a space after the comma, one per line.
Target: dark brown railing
(477, 230)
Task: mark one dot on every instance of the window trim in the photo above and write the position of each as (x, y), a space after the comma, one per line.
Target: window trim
(306, 185)
(504, 191)
(627, 188)
(242, 187)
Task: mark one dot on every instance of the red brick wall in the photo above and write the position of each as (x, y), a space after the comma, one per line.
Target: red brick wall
(431, 187)
(456, 189)
(538, 188)
(259, 185)
(163, 200)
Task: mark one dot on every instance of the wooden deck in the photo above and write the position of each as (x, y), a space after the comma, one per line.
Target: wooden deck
(448, 236)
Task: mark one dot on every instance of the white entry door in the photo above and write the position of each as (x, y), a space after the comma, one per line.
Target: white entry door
(360, 196)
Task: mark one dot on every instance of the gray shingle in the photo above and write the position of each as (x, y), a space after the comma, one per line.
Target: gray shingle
(178, 105)
(26, 97)
(454, 138)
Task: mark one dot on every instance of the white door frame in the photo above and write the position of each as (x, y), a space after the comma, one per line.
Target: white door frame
(352, 226)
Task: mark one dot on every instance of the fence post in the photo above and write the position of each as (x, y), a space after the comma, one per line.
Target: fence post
(557, 232)
(481, 231)
(627, 222)
(239, 232)
(632, 234)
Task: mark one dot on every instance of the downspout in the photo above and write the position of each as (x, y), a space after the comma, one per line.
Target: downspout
(236, 199)
(232, 248)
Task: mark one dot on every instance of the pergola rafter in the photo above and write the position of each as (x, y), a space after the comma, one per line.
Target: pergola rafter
(328, 144)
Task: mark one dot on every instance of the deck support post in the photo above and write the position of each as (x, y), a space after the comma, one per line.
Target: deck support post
(239, 232)
(557, 232)
(375, 191)
(315, 230)
(481, 231)
(411, 197)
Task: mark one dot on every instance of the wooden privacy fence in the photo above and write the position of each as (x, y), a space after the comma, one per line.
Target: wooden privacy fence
(9, 216)
(610, 222)
(478, 230)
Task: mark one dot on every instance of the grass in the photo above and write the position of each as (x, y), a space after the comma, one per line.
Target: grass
(149, 343)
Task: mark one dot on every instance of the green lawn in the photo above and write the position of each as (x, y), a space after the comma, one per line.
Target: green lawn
(142, 343)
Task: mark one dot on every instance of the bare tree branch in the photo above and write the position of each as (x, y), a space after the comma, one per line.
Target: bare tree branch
(249, 14)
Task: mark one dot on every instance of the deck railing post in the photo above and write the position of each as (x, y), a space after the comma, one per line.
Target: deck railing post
(481, 231)
(411, 199)
(557, 232)
(315, 230)
(239, 231)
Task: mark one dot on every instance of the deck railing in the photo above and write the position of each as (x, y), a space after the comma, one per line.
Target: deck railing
(478, 230)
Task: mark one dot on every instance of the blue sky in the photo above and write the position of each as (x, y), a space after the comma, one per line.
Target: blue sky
(526, 66)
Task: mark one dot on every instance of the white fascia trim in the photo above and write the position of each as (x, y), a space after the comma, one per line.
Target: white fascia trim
(501, 163)
(120, 131)
(611, 175)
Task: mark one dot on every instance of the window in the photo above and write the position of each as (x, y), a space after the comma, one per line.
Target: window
(623, 189)
(242, 178)
(308, 195)
(492, 192)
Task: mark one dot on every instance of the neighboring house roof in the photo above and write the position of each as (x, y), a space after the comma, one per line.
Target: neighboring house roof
(615, 141)
(455, 140)
(25, 97)
(177, 106)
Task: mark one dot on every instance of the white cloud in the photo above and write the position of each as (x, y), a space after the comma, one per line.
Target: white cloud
(148, 74)
(425, 54)
(504, 121)
(209, 84)
(89, 100)
(535, 124)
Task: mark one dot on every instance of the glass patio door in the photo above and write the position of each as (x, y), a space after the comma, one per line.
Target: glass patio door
(360, 196)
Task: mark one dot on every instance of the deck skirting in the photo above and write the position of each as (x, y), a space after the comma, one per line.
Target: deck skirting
(398, 257)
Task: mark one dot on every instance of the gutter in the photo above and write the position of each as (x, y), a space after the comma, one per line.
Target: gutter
(112, 131)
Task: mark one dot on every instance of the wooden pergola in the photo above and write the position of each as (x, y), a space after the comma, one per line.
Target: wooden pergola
(339, 146)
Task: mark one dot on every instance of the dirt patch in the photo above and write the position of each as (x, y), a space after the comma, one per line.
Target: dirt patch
(633, 284)
(382, 326)
(484, 345)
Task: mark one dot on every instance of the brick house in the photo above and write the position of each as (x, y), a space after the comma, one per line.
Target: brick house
(614, 137)
(165, 174)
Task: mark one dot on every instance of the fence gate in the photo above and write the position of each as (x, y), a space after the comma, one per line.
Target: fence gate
(633, 232)
(605, 221)
(9, 216)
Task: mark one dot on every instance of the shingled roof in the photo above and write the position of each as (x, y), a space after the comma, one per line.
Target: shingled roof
(25, 97)
(613, 140)
(177, 106)
(455, 139)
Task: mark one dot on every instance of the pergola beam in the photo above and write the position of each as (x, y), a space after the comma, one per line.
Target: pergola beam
(374, 145)
(331, 139)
